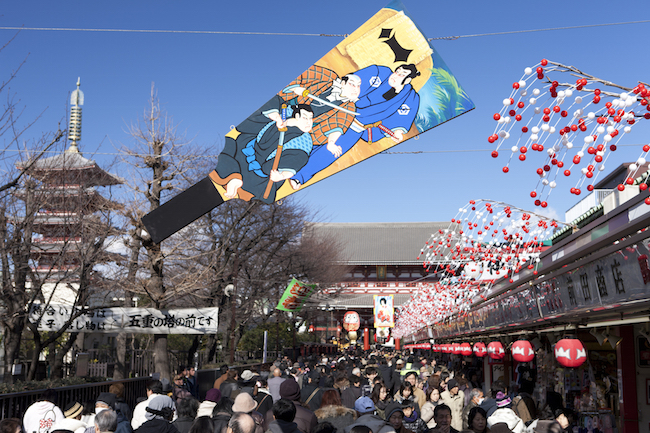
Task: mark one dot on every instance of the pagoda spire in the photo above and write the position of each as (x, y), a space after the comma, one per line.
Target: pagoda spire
(74, 127)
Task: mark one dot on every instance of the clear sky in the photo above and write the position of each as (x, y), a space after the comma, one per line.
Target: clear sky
(208, 82)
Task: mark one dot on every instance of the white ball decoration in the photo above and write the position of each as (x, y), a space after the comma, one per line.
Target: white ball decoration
(534, 129)
(532, 101)
(503, 133)
(522, 83)
(552, 130)
(545, 181)
(523, 92)
(623, 96)
(581, 154)
(600, 153)
(507, 119)
(538, 110)
(528, 71)
(641, 161)
(629, 102)
(556, 147)
(600, 129)
(601, 167)
(627, 129)
(589, 139)
(550, 151)
(552, 184)
(584, 170)
(607, 138)
(534, 137)
(610, 129)
(578, 112)
(632, 167)
(506, 101)
(568, 93)
(514, 149)
(569, 145)
(545, 127)
(591, 115)
(561, 94)
(536, 92)
(578, 99)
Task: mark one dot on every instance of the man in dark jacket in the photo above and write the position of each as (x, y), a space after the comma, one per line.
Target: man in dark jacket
(284, 413)
(305, 418)
(350, 395)
(366, 410)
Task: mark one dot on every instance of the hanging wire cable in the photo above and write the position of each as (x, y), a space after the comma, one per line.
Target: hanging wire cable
(329, 35)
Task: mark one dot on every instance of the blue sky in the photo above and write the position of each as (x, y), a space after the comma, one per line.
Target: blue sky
(208, 82)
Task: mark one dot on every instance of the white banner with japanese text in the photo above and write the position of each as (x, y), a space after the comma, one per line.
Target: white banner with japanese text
(133, 320)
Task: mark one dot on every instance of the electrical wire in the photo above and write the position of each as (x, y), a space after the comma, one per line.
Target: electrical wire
(328, 35)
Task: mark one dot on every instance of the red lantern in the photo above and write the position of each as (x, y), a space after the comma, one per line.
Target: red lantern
(465, 349)
(443, 348)
(495, 350)
(479, 349)
(522, 351)
(448, 348)
(456, 348)
(351, 321)
(570, 352)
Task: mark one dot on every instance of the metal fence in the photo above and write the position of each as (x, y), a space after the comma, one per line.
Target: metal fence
(15, 404)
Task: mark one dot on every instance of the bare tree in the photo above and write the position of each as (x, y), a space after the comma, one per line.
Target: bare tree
(160, 158)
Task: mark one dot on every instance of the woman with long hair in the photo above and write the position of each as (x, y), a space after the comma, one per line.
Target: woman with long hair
(433, 400)
(381, 397)
(405, 393)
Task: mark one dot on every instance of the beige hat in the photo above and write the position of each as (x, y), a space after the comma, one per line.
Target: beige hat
(244, 403)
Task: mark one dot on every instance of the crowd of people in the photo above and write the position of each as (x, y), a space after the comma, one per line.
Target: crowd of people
(358, 392)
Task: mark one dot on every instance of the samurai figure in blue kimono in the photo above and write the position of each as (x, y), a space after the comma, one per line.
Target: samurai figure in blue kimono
(386, 107)
(245, 167)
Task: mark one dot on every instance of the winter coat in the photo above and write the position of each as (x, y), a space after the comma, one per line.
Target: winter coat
(220, 422)
(466, 410)
(228, 388)
(455, 403)
(41, 416)
(509, 417)
(74, 425)
(305, 419)
(279, 426)
(339, 416)
(427, 413)
(313, 394)
(415, 423)
(183, 424)
(350, 395)
(156, 425)
(123, 424)
(376, 424)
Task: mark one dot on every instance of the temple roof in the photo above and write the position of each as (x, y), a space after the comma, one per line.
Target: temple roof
(378, 243)
(70, 163)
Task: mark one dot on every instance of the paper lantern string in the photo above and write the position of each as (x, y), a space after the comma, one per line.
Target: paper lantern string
(486, 241)
(575, 126)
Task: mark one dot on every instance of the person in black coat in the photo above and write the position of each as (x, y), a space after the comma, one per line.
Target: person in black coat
(186, 411)
(159, 415)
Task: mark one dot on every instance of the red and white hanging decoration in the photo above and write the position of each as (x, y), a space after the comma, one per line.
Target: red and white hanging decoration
(495, 350)
(570, 129)
(522, 351)
(486, 241)
(465, 349)
(479, 349)
(570, 352)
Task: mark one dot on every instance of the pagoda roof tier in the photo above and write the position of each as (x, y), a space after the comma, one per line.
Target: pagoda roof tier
(69, 198)
(70, 167)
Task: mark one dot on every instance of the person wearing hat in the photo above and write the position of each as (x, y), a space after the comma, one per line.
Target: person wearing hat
(154, 388)
(505, 414)
(72, 420)
(160, 412)
(106, 401)
(395, 417)
(305, 418)
(212, 397)
(244, 403)
(247, 382)
(455, 399)
(366, 416)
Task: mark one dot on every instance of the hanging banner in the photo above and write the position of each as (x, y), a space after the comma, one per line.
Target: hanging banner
(380, 86)
(384, 311)
(134, 320)
(295, 296)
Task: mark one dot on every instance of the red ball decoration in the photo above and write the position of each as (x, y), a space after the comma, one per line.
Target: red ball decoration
(455, 348)
(479, 349)
(465, 349)
(495, 350)
(522, 351)
(570, 352)
(495, 154)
